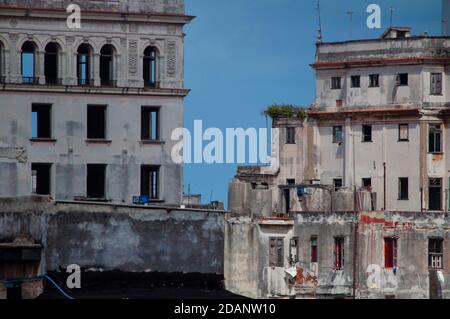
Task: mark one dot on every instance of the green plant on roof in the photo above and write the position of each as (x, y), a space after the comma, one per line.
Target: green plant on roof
(284, 111)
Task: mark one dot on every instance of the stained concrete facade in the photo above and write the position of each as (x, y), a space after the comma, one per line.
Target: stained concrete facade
(128, 27)
(103, 237)
(340, 187)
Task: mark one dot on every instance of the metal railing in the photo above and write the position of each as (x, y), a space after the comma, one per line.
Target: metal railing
(33, 80)
(53, 81)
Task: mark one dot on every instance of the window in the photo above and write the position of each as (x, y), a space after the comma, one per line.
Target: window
(403, 132)
(339, 103)
(106, 65)
(290, 135)
(390, 252)
(293, 251)
(367, 184)
(339, 253)
(435, 194)
(436, 84)
(356, 81)
(436, 253)
(276, 252)
(2, 80)
(402, 79)
(290, 182)
(96, 181)
(338, 136)
(314, 251)
(367, 133)
(150, 181)
(29, 63)
(41, 177)
(337, 183)
(51, 63)
(336, 83)
(150, 123)
(403, 192)
(96, 122)
(84, 64)
(374, 80)
(150, 67)
(435, 139)
(41, 121)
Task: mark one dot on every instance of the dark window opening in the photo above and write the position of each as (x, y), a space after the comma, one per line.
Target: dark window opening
(339, 103)
(367, 133)
(276, 252)
(356, 81)
(150, 67)
(290, 135)
(314, 249)
(336, 83)
(338, 136)
(290, 181)
(403, 188)
(41, 121)
(403, 132)
(293, 251)
(436, 84)
(106, 65)
(96, 181)
(51, 63)
(96, 122)
(367, 184)
(338, 184)
(402, 79)
(390, 252)
(339, 253)
(435, 139)
(435, 194)
(2, 79)
(84, 64)
(287, 200)
(29, 63)
(436, 253)
(150, 181)
(41, 178)
(150, 123)
(374, 80)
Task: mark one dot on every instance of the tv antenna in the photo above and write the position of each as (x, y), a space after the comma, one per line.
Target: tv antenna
(350, 15)
(319, 29)
(391, 9)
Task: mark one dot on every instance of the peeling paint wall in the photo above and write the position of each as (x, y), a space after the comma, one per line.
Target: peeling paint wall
(106, 237)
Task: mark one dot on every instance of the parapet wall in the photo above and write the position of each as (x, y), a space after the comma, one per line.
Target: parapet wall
(134, 6)
(125, 238)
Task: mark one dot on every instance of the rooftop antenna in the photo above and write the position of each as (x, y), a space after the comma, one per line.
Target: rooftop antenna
(350, 14)
(391, 9)
(319, 29)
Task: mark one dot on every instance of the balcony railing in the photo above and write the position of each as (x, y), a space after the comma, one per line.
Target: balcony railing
(2, 79)
(152, 85)
(85, 82)
(30, 80)
(107, 82)
(53, 81)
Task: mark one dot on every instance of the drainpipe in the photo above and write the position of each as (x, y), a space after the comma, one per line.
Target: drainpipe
(384, 185)
(355, 255)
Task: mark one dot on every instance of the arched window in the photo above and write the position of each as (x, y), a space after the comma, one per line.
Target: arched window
(106, 65)
(150, 67)
(29, 63)
(51, 64)
(84, 64)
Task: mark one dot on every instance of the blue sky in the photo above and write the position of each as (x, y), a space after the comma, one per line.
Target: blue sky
(242, 55)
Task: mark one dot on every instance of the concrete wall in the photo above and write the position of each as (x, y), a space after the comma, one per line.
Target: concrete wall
(106, 237)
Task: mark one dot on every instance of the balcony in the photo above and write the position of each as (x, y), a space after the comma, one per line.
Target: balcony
(152, 85)
(53, 81)
(31, 80)
(85, 82)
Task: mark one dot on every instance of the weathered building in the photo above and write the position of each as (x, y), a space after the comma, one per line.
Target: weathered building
(87, 113)
(355, 201)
